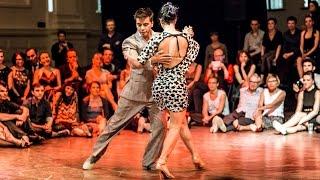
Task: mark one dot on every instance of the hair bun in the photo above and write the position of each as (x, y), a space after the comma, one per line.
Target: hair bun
(168, 12)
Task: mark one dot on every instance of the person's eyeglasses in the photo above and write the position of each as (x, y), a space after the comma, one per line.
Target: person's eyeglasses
(254, 24)
(271, 81)
(256, 82)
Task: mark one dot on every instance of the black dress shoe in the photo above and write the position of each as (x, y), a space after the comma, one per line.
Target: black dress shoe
(149, 168)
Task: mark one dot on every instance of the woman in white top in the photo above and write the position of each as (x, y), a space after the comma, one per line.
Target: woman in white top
(214, 103)
(271, 104)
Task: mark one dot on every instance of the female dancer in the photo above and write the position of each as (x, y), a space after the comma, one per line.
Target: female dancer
(169, 88)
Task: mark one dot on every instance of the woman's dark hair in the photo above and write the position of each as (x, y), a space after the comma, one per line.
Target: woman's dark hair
(94, 82)
(309, 16)
(239, 54)
(309, 73)
(272, 19)
(315, 3)
(18, 53)
(168, 12)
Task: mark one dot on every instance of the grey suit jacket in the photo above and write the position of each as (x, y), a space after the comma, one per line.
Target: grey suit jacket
(138, 87)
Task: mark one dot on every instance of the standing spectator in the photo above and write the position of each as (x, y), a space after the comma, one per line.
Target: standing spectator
(253, 43)
(215, 44)
(60, 48)
(290, 52)
(271, 47)
(314, 12)
(309, 42)
(112, 40)
(18, 79)
(4, 70)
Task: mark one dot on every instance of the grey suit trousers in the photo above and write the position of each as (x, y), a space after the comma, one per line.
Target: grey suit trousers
(121, 118)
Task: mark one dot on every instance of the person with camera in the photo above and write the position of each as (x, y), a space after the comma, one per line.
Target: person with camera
(218, 68)
(307, 65)
(60, 48)
(307, 108)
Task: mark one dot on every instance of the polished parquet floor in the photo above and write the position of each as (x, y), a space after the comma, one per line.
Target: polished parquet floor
(234, 155)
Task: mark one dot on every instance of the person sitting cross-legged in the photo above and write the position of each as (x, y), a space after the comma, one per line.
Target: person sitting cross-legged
(307, 108)
(243, 118)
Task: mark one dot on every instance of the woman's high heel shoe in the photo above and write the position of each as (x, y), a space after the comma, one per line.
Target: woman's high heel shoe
(163, 170)
(198, 163)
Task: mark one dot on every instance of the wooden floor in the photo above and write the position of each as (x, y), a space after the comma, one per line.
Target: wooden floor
(232, 155)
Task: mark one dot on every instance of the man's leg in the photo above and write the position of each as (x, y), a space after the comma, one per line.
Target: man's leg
(158, 133)
(121, 118)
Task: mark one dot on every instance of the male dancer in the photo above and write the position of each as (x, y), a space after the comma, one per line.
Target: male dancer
(135, 96)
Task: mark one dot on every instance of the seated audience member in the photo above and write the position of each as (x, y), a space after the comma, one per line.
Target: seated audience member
(243, 118)
(141, 121)
(271, 47)
(290, 52)
(215, 44)
(71, 72)
(4, 70)
(244, 69)
(192, 77)
(95, 109)
(217, 68)
(7, 139)
(309, 43)
(32, 63)
(65, 112)
(253, 43)
(48, 77)
(96, 73)
(40, 113)
(10, 119)
(124, 77)
(307, 65)
(108, 65)
(313, 11)
(18, 79)
(307, 108)
(215, 106)
(271, 104)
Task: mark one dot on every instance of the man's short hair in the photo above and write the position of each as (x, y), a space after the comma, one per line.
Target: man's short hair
(142, 13)
(36, 85)
(61, 32)
(292, 18)
(28, 49)
(313, 62)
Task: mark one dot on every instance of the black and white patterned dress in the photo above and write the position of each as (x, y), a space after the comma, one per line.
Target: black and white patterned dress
(169, 89)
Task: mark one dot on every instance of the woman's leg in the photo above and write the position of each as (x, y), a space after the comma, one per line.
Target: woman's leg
(294, 120)
(176, 120)
(299, 67)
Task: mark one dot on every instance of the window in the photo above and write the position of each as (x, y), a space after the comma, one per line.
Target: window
(306, 2)
(98, 6)
(50, 5)
(274, 4)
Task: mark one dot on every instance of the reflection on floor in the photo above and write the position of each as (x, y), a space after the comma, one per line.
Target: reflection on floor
(232, 155)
